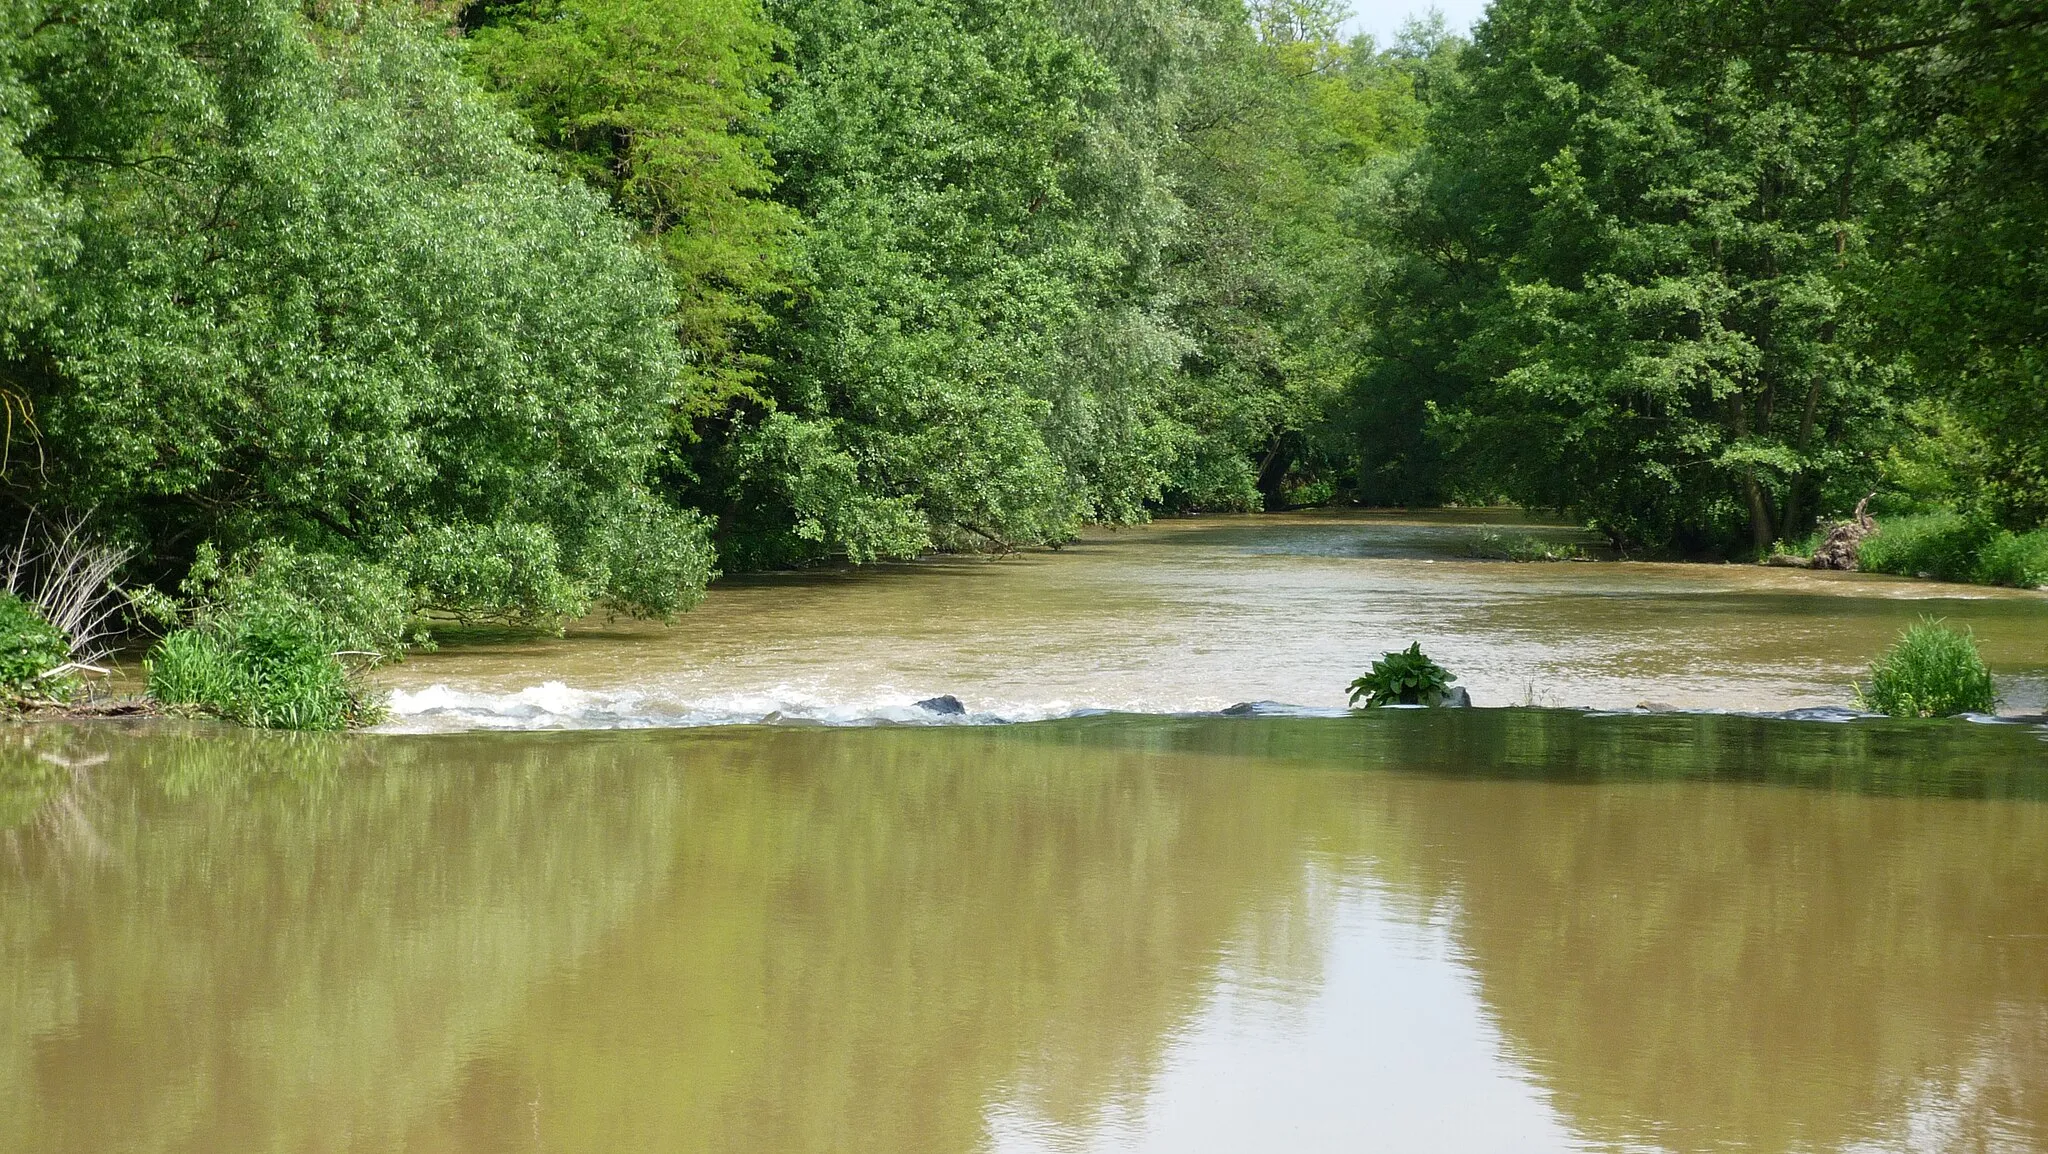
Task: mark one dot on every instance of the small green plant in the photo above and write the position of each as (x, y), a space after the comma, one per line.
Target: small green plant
(1799, 550)
(1932, 671)
(1404, 677)
(32, 652)
(1309, 495)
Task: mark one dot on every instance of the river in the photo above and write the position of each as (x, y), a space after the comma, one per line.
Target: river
(1528, 929)
(1205, 613)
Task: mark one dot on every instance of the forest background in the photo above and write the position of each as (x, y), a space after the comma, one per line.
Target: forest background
(372, 312)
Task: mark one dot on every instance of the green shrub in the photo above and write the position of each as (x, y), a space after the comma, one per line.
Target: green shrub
(1941, 545)
(276, 671)
(1309, 495)
(1932, 671)
(1801, 548)
(1406, 677)
(30, 648)
(2016, 559)
(265, 641)
(1491, 546)
(511, 573)
(352, 604)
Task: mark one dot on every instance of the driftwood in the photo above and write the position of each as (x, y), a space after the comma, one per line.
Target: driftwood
(1845, 539)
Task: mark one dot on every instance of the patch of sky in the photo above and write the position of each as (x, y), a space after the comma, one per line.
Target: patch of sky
(1383, 19)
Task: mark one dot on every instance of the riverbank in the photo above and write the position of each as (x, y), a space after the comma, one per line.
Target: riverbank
(1944, 546)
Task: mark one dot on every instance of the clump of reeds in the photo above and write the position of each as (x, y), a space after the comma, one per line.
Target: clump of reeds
(1932, 671)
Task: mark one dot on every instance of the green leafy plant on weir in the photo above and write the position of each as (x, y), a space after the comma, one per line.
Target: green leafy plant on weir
(1932, 671)
(31, 651)
(1404, 677)
(1952, 546)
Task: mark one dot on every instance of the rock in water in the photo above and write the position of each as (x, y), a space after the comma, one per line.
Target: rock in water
(945, 706)
(1456, 698)
(1846, 539)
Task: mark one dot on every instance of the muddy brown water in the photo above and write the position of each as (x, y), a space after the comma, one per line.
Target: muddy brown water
(1205, 613)
(1487, 930)
(1503, 930)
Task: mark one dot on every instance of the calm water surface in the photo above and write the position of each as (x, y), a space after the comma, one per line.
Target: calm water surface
(1501, 930)
(1505, 930)
(1201, 614)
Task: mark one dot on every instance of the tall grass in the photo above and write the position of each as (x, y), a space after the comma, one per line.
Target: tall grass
(1932, 671)
(1957, 547)
(263, 671)
(2016, 559)
(1939, 545)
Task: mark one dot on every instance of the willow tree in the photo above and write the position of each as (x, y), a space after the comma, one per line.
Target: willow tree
(309, 296)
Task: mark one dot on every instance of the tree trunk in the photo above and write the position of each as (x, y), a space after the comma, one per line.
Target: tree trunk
(1796, 489)
(1752, 493)
(1760, 534)
(1273, 471)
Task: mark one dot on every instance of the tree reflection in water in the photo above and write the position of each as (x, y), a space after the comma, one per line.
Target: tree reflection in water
(1693, 933)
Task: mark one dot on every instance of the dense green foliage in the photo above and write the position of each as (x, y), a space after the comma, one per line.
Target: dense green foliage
(1939, 545)
(514, 309)
(307, 289)
(267, 674)
(30, 650)
(1404, 677)
(986, 269)
(661, 106)
(1953, 546)
(1700, 272)
(274, 638)
(488, 319)
(2016, 559)
(1933, 671)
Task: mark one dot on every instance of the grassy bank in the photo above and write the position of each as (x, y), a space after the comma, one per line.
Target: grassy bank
(1956, 547)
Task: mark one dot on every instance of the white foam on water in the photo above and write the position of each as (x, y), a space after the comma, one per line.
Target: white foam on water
(441, 708)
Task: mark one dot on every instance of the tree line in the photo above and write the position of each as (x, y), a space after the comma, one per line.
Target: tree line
(512, 309)
(1697, 271)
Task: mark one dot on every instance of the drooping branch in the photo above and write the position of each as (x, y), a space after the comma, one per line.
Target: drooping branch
(1911, 44)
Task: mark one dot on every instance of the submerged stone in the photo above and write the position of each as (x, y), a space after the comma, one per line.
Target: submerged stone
(945, 705)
